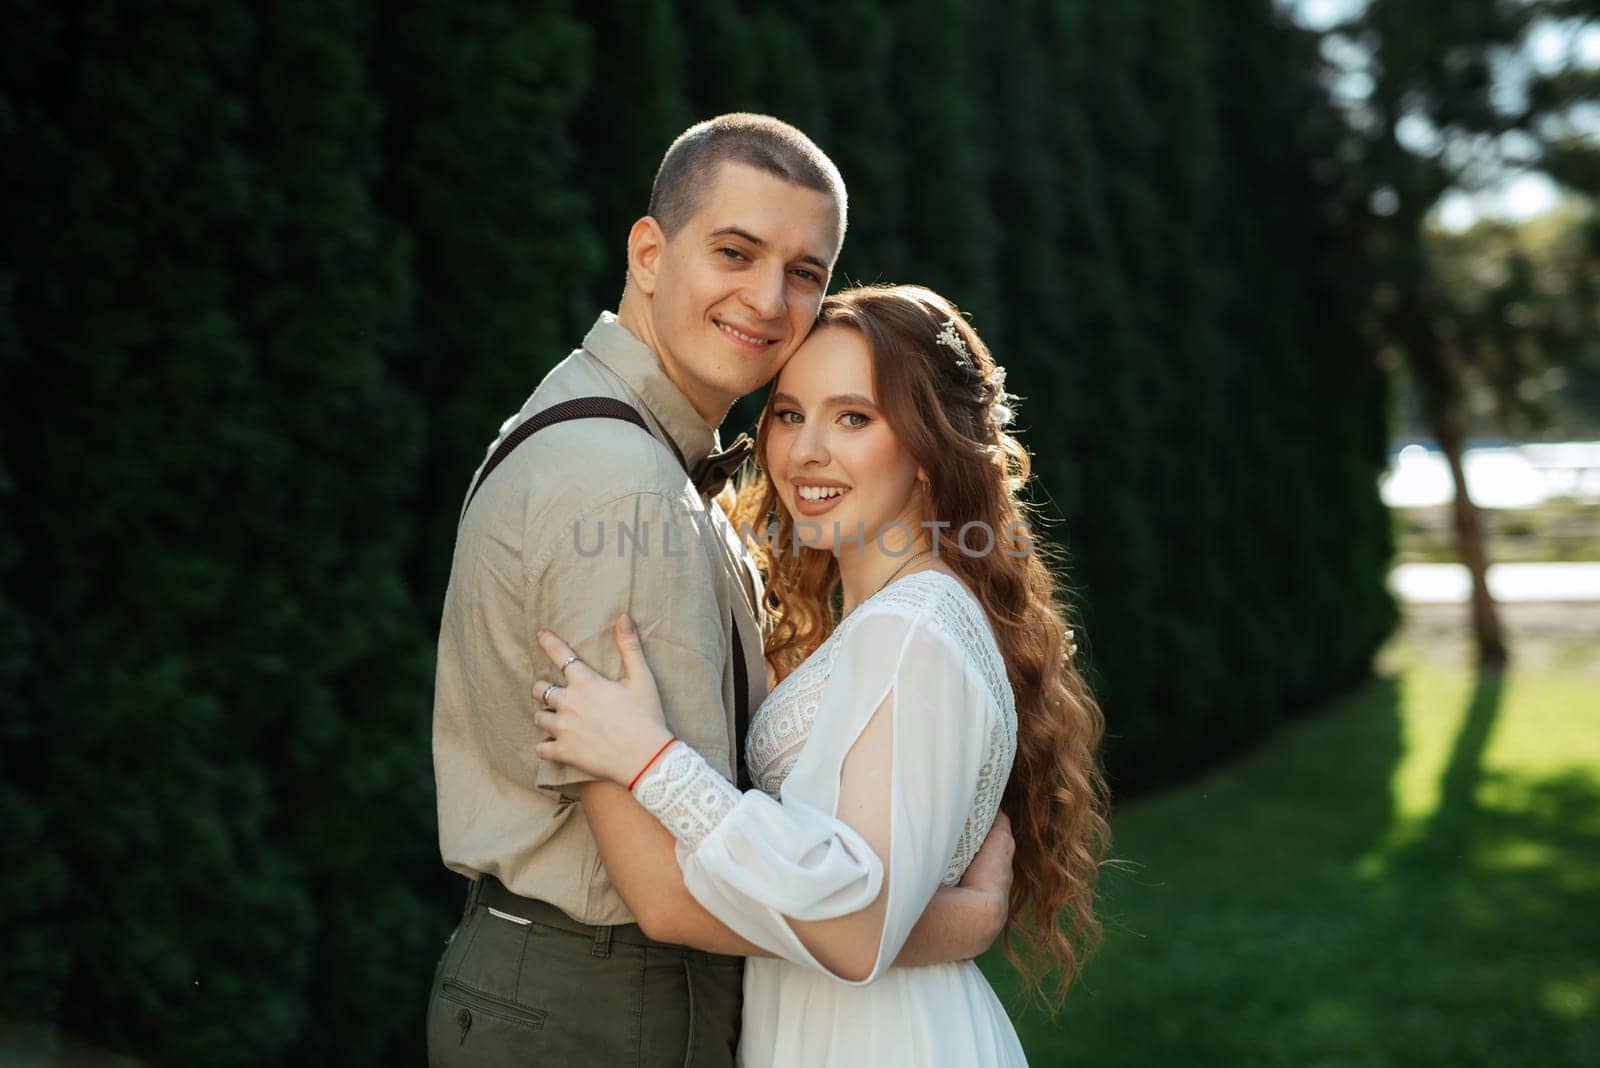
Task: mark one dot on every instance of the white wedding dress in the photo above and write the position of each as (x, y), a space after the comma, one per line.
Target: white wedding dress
(754, 859)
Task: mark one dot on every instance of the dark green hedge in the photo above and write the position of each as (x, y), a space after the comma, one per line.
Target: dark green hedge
(274, 273)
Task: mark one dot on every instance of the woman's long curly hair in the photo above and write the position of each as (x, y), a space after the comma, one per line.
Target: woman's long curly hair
(950, 412)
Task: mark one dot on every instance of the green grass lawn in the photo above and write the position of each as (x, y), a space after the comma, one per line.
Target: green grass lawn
(1410, 876)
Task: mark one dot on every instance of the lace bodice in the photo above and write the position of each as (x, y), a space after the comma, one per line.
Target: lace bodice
(765, 862)
(690, 804)
(780, 727)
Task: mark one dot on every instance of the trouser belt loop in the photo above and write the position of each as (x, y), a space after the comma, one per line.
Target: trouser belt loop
(474, 892)
(602, 942)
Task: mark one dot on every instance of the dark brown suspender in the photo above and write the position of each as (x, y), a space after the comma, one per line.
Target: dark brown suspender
(579, 408)
(611, 408)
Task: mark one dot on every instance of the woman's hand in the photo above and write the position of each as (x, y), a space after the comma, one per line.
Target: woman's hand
(608, 729)
(990, 874)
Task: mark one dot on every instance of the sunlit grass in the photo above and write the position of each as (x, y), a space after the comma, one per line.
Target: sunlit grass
(1409, 876)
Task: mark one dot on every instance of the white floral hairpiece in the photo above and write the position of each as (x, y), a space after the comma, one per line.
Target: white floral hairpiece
(1001, 411)
(955, 342)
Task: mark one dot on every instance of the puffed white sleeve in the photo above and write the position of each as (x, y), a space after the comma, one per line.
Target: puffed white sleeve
(756, 863)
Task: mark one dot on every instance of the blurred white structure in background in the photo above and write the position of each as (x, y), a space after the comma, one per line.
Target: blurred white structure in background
(1508, 476)
(1452, 583)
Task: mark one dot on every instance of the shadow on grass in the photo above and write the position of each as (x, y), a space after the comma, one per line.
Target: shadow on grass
(1256, 929)
(1505, 876)
(1458, 806)
(1222, 907)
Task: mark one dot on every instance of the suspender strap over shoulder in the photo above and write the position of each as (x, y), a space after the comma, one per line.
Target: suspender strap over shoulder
(578, 408)
(611, 408)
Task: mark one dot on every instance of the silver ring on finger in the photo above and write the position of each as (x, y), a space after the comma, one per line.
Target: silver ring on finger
(544, 695)
(568, 662)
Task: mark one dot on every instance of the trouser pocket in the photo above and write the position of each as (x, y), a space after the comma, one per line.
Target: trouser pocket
(476, 1015)
(503, 1028)
(510, 993)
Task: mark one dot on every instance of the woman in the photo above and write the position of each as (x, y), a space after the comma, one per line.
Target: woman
(945, 692)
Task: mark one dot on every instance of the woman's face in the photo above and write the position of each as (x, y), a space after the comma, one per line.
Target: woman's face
(830, 452)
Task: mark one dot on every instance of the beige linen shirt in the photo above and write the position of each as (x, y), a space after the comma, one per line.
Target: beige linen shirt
(581, 522)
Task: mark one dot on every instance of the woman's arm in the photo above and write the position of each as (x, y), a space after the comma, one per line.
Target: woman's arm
(639, 855)
(640, 859)
(849, 945)
(806, 879)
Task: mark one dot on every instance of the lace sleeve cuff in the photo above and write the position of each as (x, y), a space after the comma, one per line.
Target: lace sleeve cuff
(686, 795)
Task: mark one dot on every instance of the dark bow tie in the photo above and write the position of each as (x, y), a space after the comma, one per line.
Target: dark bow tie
(712, 473)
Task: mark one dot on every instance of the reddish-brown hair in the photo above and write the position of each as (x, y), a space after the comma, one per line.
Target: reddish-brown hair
(950, 413)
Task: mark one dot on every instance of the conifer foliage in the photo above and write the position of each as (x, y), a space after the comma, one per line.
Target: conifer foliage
(274, 273)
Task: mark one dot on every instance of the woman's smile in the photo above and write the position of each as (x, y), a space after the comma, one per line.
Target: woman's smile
(813, 499)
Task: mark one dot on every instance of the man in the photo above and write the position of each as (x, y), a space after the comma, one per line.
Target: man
(579, 943)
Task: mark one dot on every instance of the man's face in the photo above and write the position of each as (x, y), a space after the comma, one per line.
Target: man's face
(737, 288)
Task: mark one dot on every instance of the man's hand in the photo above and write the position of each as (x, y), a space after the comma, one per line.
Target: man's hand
(990, 874)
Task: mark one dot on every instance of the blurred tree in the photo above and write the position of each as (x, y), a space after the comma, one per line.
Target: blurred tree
(1436, 98)
(933, 86)
(274, 273)
(734, 81)
(635, 104)
(218, 727)
(859, 130)
(1524, 298)
(481, 169)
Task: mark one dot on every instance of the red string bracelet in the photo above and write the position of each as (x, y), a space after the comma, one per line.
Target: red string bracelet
(647, 763)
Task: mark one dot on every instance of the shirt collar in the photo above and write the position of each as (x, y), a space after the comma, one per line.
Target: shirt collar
(637, 365)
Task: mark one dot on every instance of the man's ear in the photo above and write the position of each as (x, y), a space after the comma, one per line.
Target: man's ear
(646, 243)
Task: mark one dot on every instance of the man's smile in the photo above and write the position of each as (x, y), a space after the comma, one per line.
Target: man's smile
(753, 340)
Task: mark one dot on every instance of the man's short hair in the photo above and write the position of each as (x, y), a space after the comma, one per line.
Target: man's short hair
(761, 141)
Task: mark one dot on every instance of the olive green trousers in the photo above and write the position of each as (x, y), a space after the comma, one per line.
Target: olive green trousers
(521, 983)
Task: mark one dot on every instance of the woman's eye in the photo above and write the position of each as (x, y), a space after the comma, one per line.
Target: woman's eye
(788, 416)
(855, 419)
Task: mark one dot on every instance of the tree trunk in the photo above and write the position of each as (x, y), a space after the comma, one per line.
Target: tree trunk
(1469, 547)
(1443, 405)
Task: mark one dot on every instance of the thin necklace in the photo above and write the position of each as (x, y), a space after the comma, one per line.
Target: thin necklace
(893, 575)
